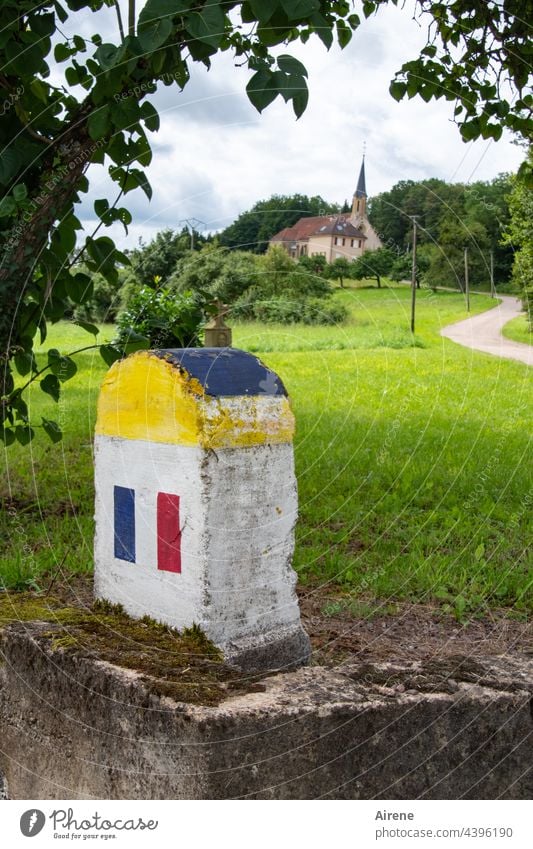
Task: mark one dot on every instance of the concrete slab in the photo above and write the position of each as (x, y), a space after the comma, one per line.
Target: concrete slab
(75, 727)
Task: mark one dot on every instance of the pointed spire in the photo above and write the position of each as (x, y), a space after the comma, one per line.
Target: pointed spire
(360, 191)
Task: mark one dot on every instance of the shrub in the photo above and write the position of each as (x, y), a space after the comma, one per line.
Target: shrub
(104, 303)
(168, 319)
(282, 309)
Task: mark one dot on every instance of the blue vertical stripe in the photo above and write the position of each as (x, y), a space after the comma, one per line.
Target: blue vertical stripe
(124, 523)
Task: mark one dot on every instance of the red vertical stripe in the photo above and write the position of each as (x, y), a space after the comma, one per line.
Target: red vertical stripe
(168, 532)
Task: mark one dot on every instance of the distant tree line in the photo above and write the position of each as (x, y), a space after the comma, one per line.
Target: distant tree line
(450, 217)
(183, 273)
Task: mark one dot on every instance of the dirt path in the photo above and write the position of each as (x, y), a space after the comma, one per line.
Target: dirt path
(483, 332)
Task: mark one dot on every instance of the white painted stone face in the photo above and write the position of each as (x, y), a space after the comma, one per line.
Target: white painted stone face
(229, 479)
(238, 508)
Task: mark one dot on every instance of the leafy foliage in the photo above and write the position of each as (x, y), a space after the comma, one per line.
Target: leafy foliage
(449, 216)
(165, 318)
(519, 235)
(157, 259)
(282, 309)
(376, 264)
(215, 273)
(52, 129)
(288, 293)
(253, 229)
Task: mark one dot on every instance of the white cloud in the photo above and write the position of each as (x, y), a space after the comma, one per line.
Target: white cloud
(214, 156)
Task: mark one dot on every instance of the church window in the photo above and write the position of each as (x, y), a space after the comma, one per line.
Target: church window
(343, 242)
(360, 242)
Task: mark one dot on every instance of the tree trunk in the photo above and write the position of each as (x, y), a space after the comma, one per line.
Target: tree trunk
(31, 232)
(379, 281)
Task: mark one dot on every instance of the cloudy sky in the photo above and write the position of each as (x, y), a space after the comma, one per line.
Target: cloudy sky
(214, 155)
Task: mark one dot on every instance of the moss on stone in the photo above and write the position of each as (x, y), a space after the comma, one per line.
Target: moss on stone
(185, 665)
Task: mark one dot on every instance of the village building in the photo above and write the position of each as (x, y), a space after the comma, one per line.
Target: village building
(346, 235)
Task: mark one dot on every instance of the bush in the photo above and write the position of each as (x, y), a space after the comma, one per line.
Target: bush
(104, 303)
(214, 273)
(168, 319)
(285, 310)
(527, 303)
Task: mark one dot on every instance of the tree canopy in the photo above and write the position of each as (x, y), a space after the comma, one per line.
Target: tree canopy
(254, 228)
(94, 109)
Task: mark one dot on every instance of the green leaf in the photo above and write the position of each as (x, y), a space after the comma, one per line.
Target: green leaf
(43, 25)
(99, 122)
(89, 328)
(62, 52)
(7, 435)
(52, 429)
(107, 55)
(24, 362)
(397, 89)
(150, 116)
(101, 206)
(263, 9)
(299, 9)
(101, 251)
(471, 130)
(7, 206)
(64, 368)
(155, 9)
(300, 100)
(141, 180)
(109, 354)
(20, 192)
(155, 34)
(290, 65)
(79, 287)
(322, 29)
(208, 25)
(24, 434)
(262, 89)
(479, 552)
(344, 34)
(125, 114)
(10, 162)
(40, 90)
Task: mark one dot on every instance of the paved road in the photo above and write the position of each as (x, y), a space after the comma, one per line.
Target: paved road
(483, 332)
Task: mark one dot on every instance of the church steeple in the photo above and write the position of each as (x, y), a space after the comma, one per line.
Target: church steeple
(360, 191)
(359, 197)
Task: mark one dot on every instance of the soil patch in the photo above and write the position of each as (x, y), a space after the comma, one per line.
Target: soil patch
(187, 667)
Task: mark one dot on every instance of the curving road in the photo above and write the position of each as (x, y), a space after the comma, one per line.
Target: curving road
(483, 332)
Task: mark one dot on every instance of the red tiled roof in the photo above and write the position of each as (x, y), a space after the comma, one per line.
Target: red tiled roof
(319, 225)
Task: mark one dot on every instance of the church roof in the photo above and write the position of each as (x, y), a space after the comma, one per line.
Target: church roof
(319, 225)
(360, 191)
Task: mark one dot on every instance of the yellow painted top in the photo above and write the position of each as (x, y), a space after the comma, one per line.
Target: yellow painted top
(149, 398)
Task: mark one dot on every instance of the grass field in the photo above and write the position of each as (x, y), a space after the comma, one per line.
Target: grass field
(519, 330)
(412, 459)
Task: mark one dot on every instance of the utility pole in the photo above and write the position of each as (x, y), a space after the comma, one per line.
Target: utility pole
(191, 224)
(467, 290)
(492, 288)
(413, 277)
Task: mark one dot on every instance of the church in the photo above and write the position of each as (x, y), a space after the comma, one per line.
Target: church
(346, 235)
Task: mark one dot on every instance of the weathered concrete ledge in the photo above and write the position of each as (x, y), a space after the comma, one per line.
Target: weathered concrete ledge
(75, 727)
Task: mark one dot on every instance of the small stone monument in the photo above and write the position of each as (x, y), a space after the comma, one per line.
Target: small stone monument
(217, 334)
(196, 500)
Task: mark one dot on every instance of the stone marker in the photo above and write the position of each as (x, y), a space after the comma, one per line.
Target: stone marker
(196, 500)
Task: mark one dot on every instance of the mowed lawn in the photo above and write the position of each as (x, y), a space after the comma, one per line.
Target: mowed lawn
(412, 459)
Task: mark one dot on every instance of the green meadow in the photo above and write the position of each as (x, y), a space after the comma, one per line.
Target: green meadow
(411, 453)
(519, 330)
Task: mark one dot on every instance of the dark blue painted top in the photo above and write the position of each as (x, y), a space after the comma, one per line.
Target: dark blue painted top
(225, 371)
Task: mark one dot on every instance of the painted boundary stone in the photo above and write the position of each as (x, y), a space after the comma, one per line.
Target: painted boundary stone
(196, 500)
(74, 727)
